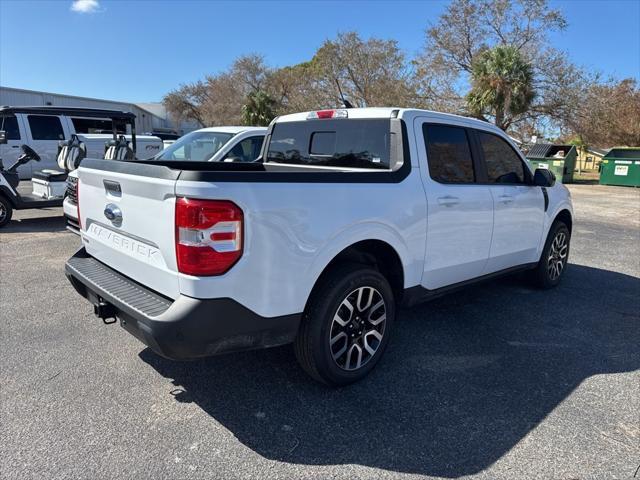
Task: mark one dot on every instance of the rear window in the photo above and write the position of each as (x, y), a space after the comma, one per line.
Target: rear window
(332, 143)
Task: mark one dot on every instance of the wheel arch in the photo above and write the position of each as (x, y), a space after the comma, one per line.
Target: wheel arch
(564, 215)
(375, 253)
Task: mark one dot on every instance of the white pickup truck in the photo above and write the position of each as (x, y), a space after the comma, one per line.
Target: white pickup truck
(352, 213)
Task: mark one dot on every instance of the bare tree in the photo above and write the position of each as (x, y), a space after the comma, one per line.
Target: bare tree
(371, 72)
(608, 115)
(187, 101)
(295, 88)
(218, 99)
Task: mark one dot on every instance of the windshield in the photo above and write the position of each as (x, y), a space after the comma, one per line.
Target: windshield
(195, 147)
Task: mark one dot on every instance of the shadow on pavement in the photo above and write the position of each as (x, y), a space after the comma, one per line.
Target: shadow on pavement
(55, 223)
(465, 378)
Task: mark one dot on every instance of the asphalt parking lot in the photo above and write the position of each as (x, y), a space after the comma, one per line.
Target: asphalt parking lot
(499, 381)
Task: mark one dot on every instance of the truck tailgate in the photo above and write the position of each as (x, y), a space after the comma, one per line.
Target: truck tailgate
(127, 212)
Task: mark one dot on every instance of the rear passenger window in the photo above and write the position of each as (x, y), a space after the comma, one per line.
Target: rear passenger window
(352, 143)
(503, 163)
(448, 154)
(45, 127)
(10, 126)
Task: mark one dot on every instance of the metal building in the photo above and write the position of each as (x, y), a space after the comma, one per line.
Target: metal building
(149, 117)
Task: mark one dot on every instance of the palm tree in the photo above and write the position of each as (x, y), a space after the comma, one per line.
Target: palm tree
(502, 85)
(259, 109)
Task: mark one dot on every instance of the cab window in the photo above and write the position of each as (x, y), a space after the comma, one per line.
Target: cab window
(448, 154)
(503, 163)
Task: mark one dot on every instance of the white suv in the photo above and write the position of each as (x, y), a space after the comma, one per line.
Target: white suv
(350, 214)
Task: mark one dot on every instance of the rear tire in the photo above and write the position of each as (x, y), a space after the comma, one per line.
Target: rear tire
(6, 211)
(555, 254)
(346, 326)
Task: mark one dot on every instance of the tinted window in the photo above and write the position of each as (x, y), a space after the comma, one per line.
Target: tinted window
(10, 126)
(335, 143)
(503, 163)
(93, 125)
(45, 127)
(448, 154)
(323, 143)
(245, 151)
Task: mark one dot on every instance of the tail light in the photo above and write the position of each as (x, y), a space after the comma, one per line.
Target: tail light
(208, 236)
(78, 203)
(324, 114)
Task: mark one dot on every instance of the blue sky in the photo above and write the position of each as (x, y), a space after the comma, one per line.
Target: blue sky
(139, 50)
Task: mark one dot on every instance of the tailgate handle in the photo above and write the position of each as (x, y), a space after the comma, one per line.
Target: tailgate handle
(112, 188)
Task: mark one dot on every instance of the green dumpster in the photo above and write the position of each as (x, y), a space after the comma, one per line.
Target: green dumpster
(621, 166)
(560, 159)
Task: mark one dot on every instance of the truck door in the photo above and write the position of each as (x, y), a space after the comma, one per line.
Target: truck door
(459, 210)
(518, 205)
(44, 132)
(15, 137)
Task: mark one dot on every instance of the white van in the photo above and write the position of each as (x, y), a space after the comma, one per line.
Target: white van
(42, 128)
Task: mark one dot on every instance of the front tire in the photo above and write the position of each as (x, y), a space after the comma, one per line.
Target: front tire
(6, 211)
(553, 261)
(346, 326)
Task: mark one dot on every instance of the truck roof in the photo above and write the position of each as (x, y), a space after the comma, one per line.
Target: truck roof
(80, 111)
(388, 112)
(232, 129)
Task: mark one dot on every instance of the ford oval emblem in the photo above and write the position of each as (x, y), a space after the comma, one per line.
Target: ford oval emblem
(113, 213)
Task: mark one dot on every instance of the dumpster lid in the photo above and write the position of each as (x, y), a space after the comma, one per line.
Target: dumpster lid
(548, 150)
(628, 153)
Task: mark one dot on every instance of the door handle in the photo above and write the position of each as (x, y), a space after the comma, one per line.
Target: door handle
(15, 146)
(448, 201)
(505, 199)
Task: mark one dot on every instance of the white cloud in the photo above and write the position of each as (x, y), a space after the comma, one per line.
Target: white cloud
(85, 6)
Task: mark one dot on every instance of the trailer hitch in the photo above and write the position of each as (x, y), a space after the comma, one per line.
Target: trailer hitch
(105, 311)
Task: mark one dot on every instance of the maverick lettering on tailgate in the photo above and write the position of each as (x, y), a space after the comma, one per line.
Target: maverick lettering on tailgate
(127, 245)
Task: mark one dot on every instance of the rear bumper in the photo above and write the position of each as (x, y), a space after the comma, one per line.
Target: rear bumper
(180, 329)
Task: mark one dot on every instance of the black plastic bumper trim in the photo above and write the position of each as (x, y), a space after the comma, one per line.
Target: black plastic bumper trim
(184, 328)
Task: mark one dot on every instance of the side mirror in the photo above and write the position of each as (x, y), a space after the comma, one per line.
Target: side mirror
(3, 137)
(544, 178)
